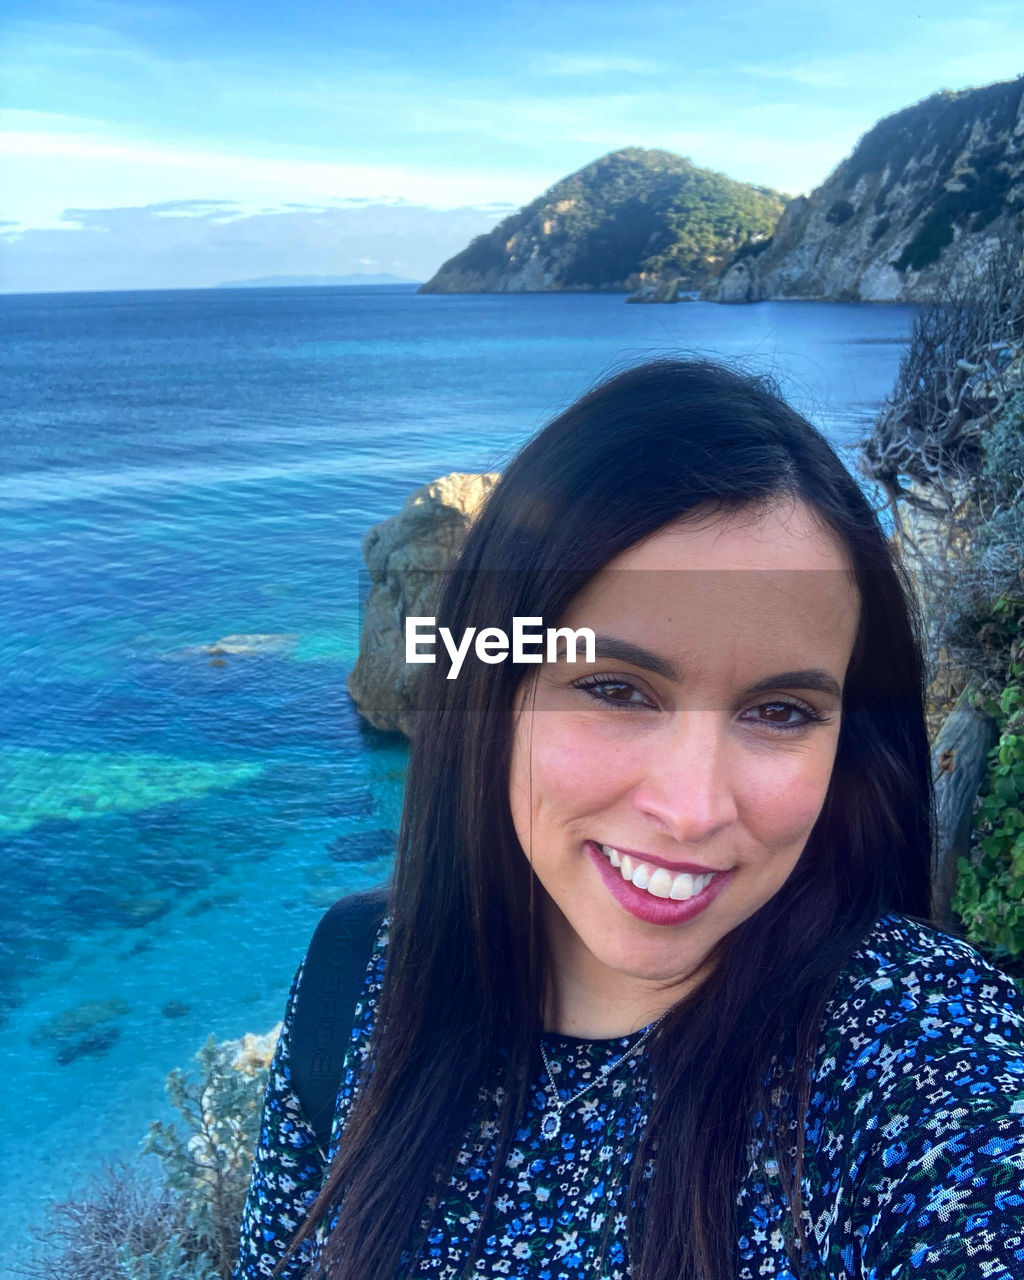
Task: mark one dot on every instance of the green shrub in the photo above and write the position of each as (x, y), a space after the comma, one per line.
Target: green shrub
(208, 1160)
(126, 1226)
(1002, 468)
(989, 896)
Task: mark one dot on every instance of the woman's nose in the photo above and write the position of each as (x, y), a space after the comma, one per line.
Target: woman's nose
(685, 782)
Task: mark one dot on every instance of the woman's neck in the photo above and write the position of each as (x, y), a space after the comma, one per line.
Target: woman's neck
(597, 1007)
(591, 1000)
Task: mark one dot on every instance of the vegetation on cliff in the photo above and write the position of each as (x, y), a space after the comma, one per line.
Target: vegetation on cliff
(184, 1226)
(922, 197)
(628, 218)
(948, 450)
(926, 195)
(968, 179)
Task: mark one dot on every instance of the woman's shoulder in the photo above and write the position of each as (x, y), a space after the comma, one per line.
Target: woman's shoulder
(911, 995)
(904, 964)
(915, 1120)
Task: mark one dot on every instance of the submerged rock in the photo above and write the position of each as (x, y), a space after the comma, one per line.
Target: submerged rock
(362, 846)
(84, 1030)
(80, 1019)
(89, 1045)
(211, 902)
(357, 804)
(138, 912)
(241, 645)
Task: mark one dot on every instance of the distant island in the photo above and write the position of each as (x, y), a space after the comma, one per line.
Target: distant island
(286, 282)
(630, 219)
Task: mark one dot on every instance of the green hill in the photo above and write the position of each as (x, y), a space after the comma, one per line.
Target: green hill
(631, 218)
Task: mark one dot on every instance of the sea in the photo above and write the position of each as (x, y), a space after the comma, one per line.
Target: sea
(185, 785)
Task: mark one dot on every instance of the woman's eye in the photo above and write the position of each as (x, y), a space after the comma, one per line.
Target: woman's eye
(616, 693)
(784, 715)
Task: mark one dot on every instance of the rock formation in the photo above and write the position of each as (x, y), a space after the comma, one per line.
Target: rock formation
(630, 219)
(253, 1053)
(659, 291)
(925, 198)
(405, 556)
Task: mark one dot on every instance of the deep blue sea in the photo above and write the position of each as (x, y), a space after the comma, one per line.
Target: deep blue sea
(181, 467)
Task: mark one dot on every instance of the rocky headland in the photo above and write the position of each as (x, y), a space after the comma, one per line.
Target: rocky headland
(926, 197)
(631, 219)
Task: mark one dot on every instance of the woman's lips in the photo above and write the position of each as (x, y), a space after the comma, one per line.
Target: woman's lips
(644, 905)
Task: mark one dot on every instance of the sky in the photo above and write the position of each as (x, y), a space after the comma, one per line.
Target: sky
(184, 144)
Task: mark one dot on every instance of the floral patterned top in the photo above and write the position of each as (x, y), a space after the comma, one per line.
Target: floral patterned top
(914, 1161)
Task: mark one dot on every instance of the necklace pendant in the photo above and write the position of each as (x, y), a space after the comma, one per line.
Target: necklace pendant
(551, 1125)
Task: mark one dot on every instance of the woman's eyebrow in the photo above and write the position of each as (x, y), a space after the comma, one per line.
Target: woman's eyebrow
(811, 678)
(637, 656)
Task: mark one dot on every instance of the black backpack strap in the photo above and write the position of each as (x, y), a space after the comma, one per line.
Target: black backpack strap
(325, 1001)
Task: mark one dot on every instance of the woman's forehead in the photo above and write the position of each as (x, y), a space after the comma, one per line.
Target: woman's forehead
(761, 559)
(786, 534)
(733, 594)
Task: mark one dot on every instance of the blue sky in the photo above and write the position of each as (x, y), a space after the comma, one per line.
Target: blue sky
(161, 144)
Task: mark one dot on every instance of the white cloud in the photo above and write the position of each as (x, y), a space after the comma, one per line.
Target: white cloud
(819, 73)
(145, 171)
(196, 244)
(558, 64)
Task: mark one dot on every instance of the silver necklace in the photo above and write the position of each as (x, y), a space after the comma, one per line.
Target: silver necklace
(551, 1123)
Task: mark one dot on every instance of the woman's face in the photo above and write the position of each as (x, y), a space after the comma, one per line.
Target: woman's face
(666, 791)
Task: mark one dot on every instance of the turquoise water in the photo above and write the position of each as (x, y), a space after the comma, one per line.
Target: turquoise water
(181, 467)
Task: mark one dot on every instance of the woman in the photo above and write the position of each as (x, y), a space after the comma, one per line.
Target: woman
(653, 998)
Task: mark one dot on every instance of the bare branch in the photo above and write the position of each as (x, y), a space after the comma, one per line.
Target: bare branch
(951, 385)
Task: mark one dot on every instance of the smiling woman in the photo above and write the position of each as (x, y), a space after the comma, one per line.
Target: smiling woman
(666, 790)
(655, 995)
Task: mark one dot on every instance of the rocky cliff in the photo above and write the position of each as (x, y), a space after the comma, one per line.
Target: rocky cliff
(405, 556)
(927, 195)
(629, 219)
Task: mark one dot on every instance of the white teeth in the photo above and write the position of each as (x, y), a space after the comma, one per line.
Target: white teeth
(611, 854)
(641, 875)
(660, 884)
(682, 886)
(658, 881)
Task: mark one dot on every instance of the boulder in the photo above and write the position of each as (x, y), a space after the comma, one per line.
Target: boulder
(656, 291)
(405, 556)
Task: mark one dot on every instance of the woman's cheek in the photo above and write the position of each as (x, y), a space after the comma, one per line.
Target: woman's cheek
(781, 801)
(572, 764)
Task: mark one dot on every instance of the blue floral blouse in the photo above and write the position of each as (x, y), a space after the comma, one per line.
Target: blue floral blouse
(914, 1159)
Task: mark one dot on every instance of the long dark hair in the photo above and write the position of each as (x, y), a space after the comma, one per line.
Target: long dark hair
(464, 984)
